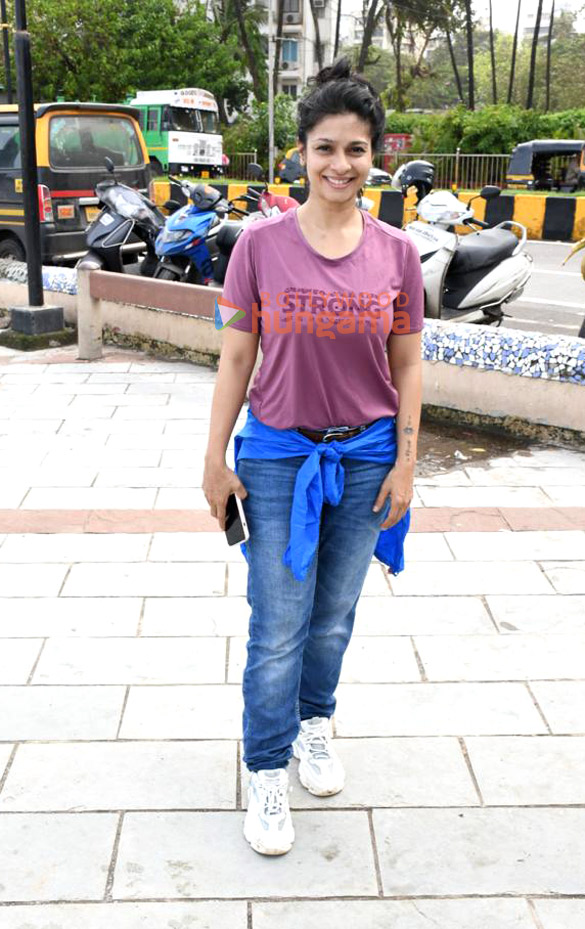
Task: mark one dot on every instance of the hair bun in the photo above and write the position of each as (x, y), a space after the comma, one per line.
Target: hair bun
(340, 70)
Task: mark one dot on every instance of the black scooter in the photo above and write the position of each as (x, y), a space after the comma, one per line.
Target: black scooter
(124, 211)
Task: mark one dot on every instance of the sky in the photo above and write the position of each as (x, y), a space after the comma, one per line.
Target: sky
(504, 11)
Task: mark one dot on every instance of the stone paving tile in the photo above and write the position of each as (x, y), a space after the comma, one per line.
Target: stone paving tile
(121, 776)
(59, 713)
(75, 547)
(185, 411)
(483, 496)
(561, 914)
(523, 656)
(522, 771)
(422, 616)
(455, 478)
(193, 546)
(223, 616)
(55, 857)
(392, 914)
(12, 496)
(178, 441)
(132, 661)
(566, 578)
(181, 498)
(47, 616)
(562, 705)
(104, 456)
(200, 914)
(538, 614)
(149, 477)
(185, 457)
(46, 477)
(191, 426)
(19, 426)
(367, 659)
(176, 855)
(94, 428)
(150, 377)
(23, 580)
(86, 402)
(490, 851)
(445, 577)
(89, 498)
(435, 709)
(205, 711)
(517, 546)
(17, 659)
(149, 579)
(495, 476)
(390, 772)
(426, 546)
(5, 752)
(565, 496)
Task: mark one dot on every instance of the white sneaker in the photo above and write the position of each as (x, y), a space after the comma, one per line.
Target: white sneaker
(320, 768)
(268, 825)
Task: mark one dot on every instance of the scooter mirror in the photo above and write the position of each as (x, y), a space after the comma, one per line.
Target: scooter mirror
(109, 164)
(255, 171)
(489, 192)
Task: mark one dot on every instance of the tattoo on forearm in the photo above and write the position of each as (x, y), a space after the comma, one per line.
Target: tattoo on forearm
(408, 431)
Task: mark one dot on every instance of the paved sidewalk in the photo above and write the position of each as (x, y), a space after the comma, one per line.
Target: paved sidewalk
(123, 624)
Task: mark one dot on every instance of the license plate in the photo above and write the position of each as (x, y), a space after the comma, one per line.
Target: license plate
(91, 212)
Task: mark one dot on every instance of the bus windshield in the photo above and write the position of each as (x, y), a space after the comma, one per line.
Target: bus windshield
(187, 120)
(184, 120)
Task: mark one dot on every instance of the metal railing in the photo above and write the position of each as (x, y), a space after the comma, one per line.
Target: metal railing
(239, 161)
(466, 172)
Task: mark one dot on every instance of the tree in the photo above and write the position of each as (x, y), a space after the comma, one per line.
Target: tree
(532, 72)
(372, 11)
(469, 34)
(250, 132)
(318, 43)
(493, 57)
(74, 43)
(514, 49)
(548, 54)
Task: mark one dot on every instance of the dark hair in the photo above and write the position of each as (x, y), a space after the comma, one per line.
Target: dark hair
(337, 90)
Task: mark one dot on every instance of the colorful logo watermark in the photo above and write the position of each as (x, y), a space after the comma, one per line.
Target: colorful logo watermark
(321, 313)
(226, 313)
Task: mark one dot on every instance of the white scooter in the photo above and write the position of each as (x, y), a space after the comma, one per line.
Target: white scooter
(468, 278)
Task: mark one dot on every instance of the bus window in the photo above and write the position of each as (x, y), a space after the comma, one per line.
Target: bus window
(141, 119)
(209, 121)
(167, 119)
(153, 115)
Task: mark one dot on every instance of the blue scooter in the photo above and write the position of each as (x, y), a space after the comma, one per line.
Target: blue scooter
(194, 245)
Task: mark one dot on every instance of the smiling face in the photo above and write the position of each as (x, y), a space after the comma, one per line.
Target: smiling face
(338, 157)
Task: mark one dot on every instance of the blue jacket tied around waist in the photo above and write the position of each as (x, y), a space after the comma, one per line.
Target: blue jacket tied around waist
(321, 479)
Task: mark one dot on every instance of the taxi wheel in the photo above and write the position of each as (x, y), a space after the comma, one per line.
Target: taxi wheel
(12, 248)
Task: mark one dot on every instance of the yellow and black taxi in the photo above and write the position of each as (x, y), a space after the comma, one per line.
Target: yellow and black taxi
(72, 142)
(547, 164)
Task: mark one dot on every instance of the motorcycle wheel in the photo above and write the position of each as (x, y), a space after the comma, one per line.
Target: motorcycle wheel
(165, 274)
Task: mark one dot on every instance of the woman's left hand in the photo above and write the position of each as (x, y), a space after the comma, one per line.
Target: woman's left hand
(398, 484)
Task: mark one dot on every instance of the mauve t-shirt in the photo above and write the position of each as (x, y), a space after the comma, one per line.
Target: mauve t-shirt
(324, 323)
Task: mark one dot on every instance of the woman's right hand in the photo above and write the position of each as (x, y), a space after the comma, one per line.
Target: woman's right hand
(219, 482)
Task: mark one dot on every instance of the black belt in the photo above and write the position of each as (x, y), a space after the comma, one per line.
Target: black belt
(335, 433)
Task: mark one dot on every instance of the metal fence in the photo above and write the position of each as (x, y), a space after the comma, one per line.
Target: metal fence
(466, 172)
(239, 161)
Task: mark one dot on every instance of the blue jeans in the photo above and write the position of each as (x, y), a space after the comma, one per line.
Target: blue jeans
(299, 630)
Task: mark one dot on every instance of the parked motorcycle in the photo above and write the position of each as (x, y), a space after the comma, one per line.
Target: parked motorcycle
(469, 278)
(197, 239)
(124, 211)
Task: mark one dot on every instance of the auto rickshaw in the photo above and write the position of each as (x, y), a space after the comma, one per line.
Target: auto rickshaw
(547, 164)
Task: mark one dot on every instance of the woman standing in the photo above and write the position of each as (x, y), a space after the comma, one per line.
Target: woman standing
(325, 462)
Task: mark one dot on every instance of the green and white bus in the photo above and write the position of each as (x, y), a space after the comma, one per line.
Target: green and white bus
(181, 130)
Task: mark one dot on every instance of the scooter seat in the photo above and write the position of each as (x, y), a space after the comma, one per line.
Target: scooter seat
(227, 235)
(482, 249)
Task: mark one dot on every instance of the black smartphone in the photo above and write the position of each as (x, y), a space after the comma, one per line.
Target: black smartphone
(236, 528)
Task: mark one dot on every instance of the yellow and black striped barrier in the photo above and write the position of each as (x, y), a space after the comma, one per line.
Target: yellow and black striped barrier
(549, 218)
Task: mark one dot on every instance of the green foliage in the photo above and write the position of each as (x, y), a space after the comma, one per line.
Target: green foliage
(101, 51)
(251, 132)
(492, 130)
